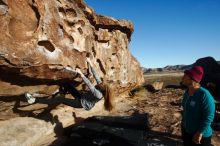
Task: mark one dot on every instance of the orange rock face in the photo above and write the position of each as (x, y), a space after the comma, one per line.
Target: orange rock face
(40, 38)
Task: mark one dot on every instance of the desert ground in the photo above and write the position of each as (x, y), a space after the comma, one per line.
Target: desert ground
(162, 108)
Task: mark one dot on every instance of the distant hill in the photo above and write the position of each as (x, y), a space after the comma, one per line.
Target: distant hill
(168, 68)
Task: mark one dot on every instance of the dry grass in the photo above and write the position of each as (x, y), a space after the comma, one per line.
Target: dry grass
(167, 78)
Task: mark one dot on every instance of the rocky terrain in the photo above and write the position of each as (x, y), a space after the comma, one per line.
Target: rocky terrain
(41, 40)
(162, 109)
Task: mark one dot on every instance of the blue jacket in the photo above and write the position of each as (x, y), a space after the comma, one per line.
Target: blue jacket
(198, 112)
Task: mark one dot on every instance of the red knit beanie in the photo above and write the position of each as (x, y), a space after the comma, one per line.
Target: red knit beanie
(195, 73)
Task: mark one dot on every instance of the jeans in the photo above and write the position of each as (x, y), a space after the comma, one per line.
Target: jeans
(76, 103)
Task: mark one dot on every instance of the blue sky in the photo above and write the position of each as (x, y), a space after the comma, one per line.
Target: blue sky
(168, 32)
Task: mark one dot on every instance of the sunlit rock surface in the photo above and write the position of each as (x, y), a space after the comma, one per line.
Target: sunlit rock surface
(39, 38)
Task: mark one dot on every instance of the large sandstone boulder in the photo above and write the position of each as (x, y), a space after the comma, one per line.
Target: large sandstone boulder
(40, 38)
(155, 86)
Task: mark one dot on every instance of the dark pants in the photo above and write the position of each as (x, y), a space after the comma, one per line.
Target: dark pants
(68, 88)
(71, 89)
(188, 140)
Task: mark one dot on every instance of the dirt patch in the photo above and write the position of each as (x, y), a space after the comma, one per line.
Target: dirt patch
(163, 109)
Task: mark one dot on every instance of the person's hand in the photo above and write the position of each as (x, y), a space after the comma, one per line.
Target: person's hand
(197, 138)
(69, 69)
(79, 71)
(88, 60)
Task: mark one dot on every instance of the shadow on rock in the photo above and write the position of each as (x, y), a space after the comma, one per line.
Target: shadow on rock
(114, 131)
(40, 109)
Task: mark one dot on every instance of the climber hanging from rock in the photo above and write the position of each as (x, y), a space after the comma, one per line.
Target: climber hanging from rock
(84, 99)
